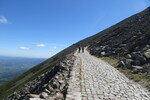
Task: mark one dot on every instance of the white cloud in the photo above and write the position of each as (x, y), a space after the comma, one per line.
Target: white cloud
(40, 45)
(3, 20)
(24, 48)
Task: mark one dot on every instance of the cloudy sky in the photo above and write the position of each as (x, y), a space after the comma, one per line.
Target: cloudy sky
(41, 28)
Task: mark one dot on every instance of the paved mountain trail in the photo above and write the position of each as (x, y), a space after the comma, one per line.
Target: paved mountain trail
(94, 79)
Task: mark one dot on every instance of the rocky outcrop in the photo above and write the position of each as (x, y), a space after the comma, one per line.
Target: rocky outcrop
(147, 53)
(136, 61)
(51, 85)
(102, 51)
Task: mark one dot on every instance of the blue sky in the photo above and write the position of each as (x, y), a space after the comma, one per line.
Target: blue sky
(41, 28)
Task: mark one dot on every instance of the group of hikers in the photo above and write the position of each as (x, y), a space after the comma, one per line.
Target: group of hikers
(81, 48)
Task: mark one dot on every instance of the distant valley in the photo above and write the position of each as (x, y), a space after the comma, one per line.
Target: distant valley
(11, 67)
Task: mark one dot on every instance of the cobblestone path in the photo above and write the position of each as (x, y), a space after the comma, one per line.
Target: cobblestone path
(94, 79)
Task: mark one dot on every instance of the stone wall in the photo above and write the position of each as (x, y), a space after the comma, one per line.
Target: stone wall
(50, 85)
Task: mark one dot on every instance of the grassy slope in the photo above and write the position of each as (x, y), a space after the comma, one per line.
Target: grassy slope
(11, 86)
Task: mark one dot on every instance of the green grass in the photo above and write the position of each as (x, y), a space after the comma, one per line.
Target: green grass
(141, 78)
(111, 61)
(10, 86)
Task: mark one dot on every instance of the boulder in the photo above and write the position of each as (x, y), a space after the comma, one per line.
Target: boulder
(25, 90)
(57, 90)
(125, 63)
(55, 84)
(62, 86)
(36, 99)
(135, 71)
(136, 62)
(128, 56)
(33, 95)
(141, 59)
(43, 95)
(50, 88)
(128, 63)
(138, 59)
(121, 63)
(47, 91)
(103, 48)
(18, 95)
(61, 81)
(109, 53)
(103, 53)
(97, 48)
(59, 96)
(138, 67)
(145, 48)
(147, 54)
(146, 69)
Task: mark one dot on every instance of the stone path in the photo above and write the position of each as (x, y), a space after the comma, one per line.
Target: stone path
(94, 79)
(74, 90)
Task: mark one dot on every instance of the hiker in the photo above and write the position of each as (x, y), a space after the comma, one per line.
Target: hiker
(79, 49)
(83, 49)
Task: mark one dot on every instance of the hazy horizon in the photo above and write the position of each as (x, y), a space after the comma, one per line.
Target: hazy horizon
(11, 67)
(22, 57)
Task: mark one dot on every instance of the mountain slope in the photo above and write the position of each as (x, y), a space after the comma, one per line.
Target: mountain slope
(128, 36)
(127, 40)
(125, 37)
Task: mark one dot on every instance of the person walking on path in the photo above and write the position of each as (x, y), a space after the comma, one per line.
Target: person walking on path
(79, 49)
(82, 49)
